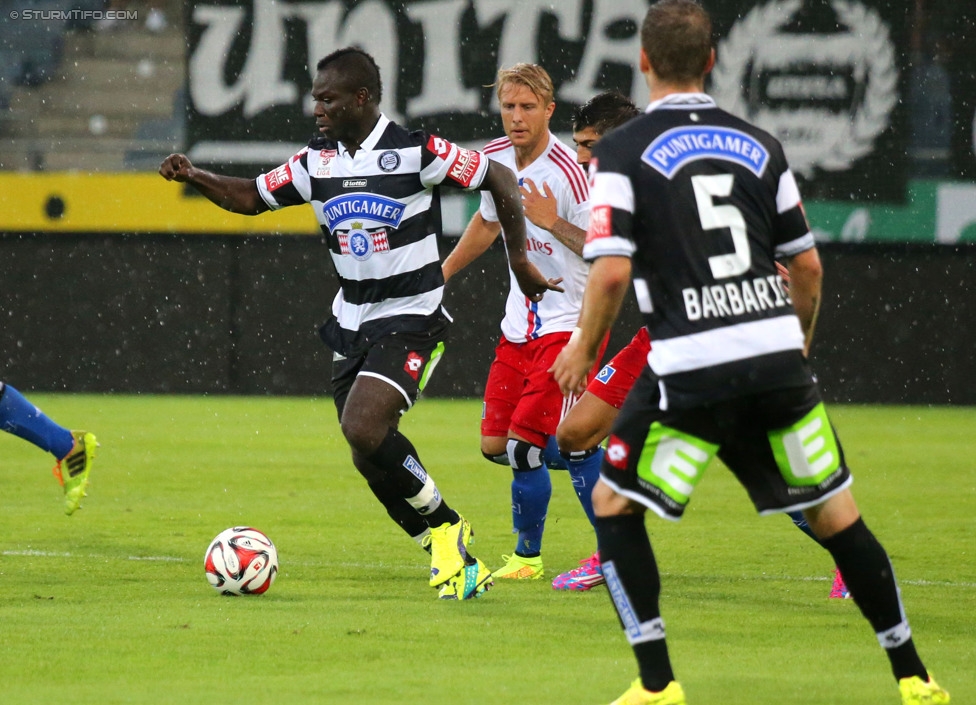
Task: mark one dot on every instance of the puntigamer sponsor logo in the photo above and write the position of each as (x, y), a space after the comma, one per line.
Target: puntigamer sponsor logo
(362, 206)
(675, 148)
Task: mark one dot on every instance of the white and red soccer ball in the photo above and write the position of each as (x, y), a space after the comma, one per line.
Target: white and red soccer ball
(241, 561)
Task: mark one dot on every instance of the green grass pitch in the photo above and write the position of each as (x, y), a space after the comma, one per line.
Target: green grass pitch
(112, 606)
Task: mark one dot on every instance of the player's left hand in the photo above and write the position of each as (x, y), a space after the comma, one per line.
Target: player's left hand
(539, 206)
(571, 367)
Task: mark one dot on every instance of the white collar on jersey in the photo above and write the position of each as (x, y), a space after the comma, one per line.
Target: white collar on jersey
(370, 142)
(682, 101)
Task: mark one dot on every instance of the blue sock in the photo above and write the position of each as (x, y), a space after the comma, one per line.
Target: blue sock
(585, 472)
(802, 525)
(531, 491)
(552, 457)
(21, 418)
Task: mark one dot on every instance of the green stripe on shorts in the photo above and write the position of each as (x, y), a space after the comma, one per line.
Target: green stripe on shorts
(435, 357)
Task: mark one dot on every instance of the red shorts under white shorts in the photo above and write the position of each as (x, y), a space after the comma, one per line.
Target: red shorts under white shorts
(615, 378)
(521, 394)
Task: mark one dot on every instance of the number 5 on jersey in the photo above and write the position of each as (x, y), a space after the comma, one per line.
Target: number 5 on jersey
(713, 217)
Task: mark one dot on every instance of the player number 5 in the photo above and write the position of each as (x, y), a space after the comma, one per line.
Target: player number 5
(727, 216)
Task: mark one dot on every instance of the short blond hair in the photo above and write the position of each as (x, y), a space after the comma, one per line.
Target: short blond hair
(532, 76)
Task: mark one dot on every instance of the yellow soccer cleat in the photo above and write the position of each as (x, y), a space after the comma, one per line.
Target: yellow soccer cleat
(915, 691)
(637, 695)
(78, 463)
(448, 550)
(520, 568)
(473, 580)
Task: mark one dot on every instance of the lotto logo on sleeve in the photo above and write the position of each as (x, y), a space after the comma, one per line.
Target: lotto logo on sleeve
(274, 180)
(439, 146)
(600, 223)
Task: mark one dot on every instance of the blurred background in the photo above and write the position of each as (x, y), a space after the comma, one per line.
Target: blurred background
(116, 281)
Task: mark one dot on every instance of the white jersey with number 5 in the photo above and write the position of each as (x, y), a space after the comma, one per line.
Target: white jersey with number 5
(526, 320)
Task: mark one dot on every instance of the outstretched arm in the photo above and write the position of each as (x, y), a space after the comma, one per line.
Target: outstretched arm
(504, 189)
(230, 193)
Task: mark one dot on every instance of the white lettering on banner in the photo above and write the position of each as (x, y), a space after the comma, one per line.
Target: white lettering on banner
(261, 83)
(441, 87)
(601, 49)
(520, 32)
(369, 25)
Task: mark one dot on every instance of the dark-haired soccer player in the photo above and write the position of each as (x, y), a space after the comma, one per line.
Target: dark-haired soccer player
(373, 186)
(698, 204)
(74, 450)
(588, 422)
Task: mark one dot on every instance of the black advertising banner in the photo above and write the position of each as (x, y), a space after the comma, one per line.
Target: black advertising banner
(251, 64)
(826, 77)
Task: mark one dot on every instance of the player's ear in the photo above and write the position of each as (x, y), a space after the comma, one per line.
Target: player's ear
(645, 63)
(711, 62)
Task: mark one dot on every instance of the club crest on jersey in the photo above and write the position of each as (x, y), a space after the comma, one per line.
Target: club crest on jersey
(364, 206)
(678, 146)
(388, 161)
(361, 244)
(606, 374)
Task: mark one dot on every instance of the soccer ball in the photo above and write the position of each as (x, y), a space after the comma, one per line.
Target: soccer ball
(241, 561)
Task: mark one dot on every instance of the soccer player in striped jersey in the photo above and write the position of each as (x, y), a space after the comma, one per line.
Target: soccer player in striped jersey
(74, 450)
(589, 421)
(522, 403)
(374, 187)
(697, 204)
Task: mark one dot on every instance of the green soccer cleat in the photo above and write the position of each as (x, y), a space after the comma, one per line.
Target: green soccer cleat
(448, 550)
(520, 568)
(473, 580)
(78, 464)
(915, 691)
(637, 695)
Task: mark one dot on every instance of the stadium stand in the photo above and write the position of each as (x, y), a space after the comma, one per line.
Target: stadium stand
(91, 96)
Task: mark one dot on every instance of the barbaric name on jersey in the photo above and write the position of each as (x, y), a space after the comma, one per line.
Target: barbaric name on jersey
(673, 149)
(368, 206)
(735, 298)
(361, 243)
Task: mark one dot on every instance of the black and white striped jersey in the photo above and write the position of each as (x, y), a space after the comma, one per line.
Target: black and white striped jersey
(380, 213)
(703, 203)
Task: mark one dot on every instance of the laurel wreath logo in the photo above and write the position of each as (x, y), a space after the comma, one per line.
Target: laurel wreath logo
(874, 64)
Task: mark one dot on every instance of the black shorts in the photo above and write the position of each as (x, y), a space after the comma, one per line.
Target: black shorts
(405, 361)
(779, 444)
